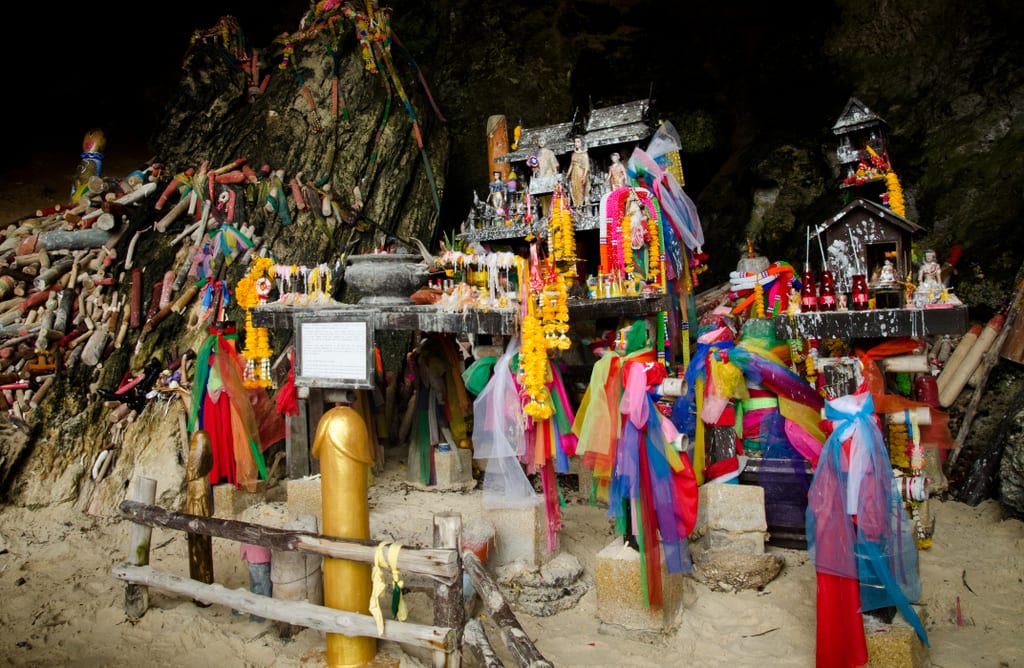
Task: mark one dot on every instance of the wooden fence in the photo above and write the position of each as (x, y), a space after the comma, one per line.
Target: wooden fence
(441, 565)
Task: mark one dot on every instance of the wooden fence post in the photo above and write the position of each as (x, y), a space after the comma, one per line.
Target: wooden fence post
(136, 597)
(449, 608)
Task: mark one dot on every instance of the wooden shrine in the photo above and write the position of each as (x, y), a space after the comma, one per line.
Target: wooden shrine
(860, 239)
(861, 132)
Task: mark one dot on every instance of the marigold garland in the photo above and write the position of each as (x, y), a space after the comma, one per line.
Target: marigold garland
(758, 310)
(554, 304)
(654, 251)
(561, 232)
(895, 190)
(626, 248)
(252, 290)
(533, 369)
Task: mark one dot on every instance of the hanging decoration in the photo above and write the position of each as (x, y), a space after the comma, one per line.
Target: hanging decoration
(649, 485)
(252, 290)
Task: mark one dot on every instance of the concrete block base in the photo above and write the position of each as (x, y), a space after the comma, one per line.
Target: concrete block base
(304, 498)
(894, 645)
(453, 469)
(230, 502)
(620, 595)
(520, 534)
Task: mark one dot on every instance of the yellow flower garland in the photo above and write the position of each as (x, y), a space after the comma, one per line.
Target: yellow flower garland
(653, 250)
(561, 233)
(895, 190)
(252, 290)
(533, 368)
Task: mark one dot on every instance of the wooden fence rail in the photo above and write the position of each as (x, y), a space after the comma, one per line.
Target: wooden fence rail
(441, 565)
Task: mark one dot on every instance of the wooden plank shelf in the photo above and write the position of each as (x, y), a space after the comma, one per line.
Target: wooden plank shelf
(429, 318)
(873, 323)
(396, 317)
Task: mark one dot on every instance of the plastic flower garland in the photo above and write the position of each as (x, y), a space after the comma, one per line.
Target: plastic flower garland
(252, 290)
(561, 233)
(554, 303)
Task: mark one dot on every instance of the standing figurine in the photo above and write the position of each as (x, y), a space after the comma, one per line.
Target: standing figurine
(547, 161)
(579, 175)
(90, 164)
(496, 197)
(617, 176)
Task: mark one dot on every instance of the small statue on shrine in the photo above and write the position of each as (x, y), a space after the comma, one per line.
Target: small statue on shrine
(579, 175)
(929, 286)
(617, 176)
(928, 274)
(547, 161)
(496, 197)
(887, 275)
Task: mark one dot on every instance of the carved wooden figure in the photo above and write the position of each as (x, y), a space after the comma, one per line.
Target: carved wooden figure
(197, 502)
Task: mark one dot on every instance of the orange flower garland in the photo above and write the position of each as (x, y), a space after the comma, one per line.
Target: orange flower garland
(554, 302)
(561, 233)
(653, 251)
(252, 290)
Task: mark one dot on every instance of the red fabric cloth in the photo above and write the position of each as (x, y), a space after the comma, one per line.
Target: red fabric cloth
(217, 423)
(840, 632)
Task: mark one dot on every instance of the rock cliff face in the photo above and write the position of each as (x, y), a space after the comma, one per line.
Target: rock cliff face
(753, 90)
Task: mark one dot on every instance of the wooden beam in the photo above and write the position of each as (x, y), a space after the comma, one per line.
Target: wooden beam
(474, 637)
(512, 634)
(437, 563)
(301, 613)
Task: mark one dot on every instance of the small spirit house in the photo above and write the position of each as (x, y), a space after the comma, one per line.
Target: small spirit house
(872, 240)
(863, 150)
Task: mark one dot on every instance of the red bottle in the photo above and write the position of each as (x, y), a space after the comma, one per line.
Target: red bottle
(860, 292)
(808, 295)
(826, 292)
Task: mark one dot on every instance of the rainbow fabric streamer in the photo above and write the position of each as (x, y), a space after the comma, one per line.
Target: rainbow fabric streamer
(651, 488)
(857, 527)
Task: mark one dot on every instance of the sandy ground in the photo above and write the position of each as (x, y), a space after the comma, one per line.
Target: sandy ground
(61, 605)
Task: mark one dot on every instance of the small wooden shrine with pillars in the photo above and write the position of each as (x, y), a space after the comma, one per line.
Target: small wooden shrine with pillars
(519, 197)
(863, 150)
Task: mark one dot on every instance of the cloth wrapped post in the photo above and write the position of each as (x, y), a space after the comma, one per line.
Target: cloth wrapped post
(858, 532)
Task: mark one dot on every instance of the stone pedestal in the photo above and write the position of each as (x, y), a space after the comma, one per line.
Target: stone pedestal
(453, 468)
(730, 517)
(304, 498)
(298, 576)
(620, 596)
(229, 502)
(894, 645)
(520, 534)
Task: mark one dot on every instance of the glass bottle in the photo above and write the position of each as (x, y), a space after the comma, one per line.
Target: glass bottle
(860, 292)
(827, 292)
(808, 294)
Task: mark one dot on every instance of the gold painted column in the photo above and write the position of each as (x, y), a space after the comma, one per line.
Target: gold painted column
(342, 445)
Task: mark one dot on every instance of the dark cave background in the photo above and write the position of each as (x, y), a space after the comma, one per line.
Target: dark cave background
(752, 88)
